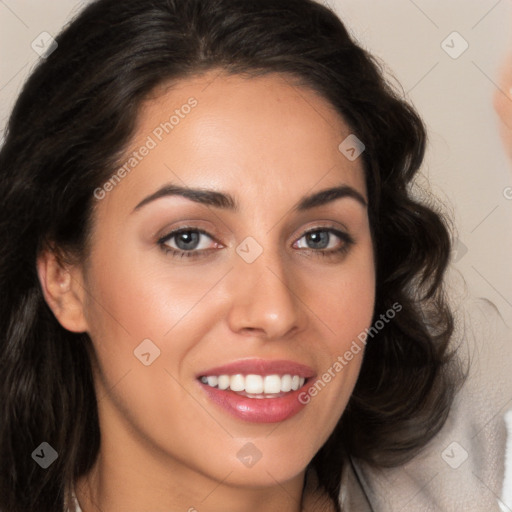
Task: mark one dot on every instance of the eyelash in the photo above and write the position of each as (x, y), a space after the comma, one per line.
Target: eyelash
(347, 240)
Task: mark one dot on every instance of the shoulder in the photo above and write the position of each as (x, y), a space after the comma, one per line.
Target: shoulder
(463, 467)
(352, 497)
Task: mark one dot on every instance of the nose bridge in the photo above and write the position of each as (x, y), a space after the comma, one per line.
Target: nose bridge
(263, 298)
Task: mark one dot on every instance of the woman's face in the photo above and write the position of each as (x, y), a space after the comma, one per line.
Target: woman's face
(243, 290)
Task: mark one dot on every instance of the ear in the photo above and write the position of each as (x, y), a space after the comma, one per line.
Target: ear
(63, 290)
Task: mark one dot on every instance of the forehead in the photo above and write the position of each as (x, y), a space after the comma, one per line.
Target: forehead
(261, 134)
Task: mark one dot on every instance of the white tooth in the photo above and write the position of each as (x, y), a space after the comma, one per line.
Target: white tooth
(213, 381)
(237, 382)
(256, 384)
(286, 382)
(253, 384)
(223, 381)
(272, 384)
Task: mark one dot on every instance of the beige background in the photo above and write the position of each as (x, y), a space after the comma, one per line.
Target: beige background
(466, 166)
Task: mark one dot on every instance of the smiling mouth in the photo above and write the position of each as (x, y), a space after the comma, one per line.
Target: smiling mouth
(255, 386)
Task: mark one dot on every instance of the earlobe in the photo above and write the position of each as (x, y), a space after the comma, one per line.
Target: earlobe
(62, 291)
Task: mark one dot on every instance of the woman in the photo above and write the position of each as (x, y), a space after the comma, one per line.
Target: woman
(217, 289)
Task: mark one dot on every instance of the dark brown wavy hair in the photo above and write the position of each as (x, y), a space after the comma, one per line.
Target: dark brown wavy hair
(68, 129)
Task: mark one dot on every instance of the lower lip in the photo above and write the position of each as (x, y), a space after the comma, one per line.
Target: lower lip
(256, 410)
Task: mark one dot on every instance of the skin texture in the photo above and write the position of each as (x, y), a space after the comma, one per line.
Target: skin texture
(165, 445)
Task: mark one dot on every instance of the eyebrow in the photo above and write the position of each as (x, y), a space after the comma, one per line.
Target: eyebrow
(228, 202)
(202, 196)
(329, 195)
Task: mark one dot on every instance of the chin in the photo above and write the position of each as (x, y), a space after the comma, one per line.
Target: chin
(257, 472)
(265, 476)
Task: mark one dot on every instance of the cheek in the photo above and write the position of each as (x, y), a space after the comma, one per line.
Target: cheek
(147, 300)
(343, 296)
(133, 302)
(345, 306)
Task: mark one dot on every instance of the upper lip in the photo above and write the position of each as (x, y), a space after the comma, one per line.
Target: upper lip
(260, 367)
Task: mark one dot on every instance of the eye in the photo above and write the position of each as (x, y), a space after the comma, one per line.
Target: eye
(187, 242)
(317, 240)
(325, 241)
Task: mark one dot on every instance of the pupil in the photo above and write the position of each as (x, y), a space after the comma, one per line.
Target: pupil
(318, 239)
(187, 240)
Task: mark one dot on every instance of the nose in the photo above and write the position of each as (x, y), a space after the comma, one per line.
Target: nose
(263, 301)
